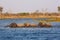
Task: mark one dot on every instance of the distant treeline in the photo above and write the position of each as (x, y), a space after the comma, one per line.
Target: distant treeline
(25, 14)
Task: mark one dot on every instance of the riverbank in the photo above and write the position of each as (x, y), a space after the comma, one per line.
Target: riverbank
(28, 16)
(51, 17)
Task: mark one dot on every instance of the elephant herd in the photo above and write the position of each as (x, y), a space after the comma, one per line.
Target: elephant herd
(40, 24)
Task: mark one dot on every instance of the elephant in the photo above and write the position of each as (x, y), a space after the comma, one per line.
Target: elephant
(44, 24)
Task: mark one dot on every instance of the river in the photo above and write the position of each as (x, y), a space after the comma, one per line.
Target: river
(6, 33)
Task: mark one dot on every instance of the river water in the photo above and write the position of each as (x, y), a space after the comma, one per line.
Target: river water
(6, 33)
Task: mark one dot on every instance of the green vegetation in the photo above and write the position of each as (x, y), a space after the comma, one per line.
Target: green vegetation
(23, 14)
(48, 20)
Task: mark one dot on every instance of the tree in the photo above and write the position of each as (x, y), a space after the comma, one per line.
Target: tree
(1, 9)
(58, 8)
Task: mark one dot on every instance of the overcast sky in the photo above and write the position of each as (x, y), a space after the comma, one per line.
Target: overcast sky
(29, 5)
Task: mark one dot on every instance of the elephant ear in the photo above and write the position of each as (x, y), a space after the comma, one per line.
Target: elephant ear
(40, 23)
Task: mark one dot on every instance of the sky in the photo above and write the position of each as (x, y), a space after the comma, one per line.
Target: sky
(29, 5)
